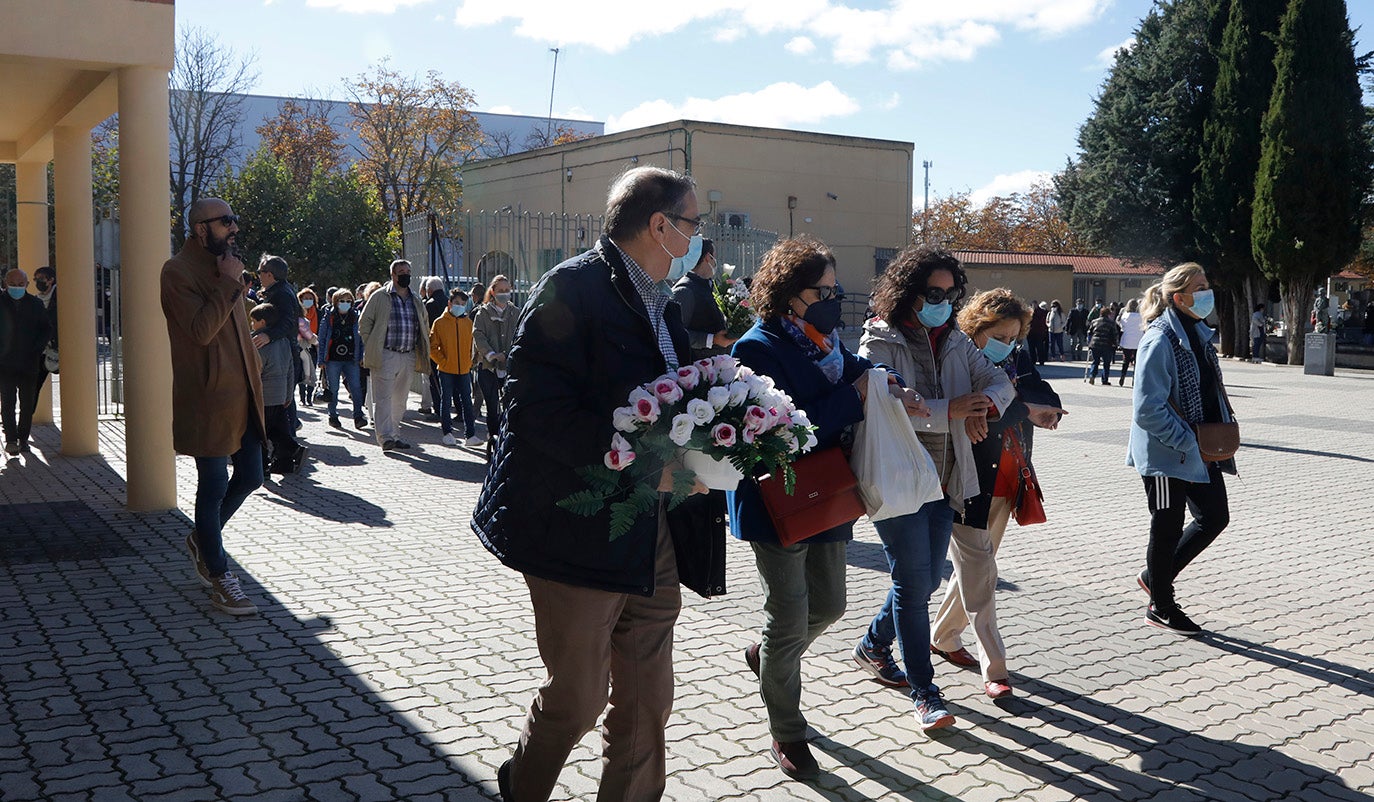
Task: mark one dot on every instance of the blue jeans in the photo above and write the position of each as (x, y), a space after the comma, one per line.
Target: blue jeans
(456, 386)
(916, 546)
(352, 378)
(491, 393)
(218, 497)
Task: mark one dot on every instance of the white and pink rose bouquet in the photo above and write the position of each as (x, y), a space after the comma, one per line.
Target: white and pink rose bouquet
(732, 297)
(715, 413)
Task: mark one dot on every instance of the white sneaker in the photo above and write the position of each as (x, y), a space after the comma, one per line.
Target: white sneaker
(450, 440)
(475, 440)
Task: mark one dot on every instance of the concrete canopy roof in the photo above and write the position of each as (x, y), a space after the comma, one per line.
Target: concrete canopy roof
(58, 63)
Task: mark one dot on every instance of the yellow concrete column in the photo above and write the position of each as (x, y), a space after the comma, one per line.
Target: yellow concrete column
(31, 192)
(75, 288)
(143, 248)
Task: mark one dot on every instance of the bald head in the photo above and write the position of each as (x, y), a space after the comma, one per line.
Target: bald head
(16, 278)
(207, 208)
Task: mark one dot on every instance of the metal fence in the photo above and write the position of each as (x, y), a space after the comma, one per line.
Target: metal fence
(109, 342)
(464, 248)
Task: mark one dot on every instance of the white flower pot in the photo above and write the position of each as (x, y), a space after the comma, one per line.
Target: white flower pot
(717, 474)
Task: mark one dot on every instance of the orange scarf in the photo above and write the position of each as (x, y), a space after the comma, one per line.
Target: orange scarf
(822, 342)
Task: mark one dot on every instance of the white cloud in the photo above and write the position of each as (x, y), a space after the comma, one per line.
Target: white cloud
(1108, 55)
(1008, 184)
(778, 105)
(364, 6)
(727, 35)
(905, 34)
(892, 102)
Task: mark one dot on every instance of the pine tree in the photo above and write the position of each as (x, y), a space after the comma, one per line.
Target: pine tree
(1314, 166)
(1130, 192)
(1230, 158)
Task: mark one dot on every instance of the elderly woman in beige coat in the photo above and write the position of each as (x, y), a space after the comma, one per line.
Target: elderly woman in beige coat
(217, 413)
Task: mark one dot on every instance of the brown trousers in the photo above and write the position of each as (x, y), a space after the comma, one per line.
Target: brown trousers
(598, 645)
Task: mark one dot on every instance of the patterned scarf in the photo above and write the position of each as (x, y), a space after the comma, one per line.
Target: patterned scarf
(1189, 379)
(829, 359)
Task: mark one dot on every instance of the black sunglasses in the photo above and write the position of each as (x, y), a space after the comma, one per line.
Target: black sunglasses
(828, 292)
(935, 295)
(696, 223)
(225, 220)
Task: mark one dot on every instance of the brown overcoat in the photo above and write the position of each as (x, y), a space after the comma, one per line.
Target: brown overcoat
(216, 374)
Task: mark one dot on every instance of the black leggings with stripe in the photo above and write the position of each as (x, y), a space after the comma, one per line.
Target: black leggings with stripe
(1172, 546)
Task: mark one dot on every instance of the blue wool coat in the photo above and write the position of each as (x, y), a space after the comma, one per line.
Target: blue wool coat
(770, 351)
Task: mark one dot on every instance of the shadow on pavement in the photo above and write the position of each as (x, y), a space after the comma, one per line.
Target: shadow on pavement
(1306, 452)
(1343, 676)
(899, 784)
(118, 680)
(1174, 763)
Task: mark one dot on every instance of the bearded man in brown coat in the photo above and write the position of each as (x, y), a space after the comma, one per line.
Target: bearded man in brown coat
(217, 412)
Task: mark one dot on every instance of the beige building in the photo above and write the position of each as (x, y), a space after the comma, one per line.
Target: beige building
(1051, 276)
(854, 194)
(66, 65)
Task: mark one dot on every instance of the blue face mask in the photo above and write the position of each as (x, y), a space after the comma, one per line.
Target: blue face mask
(307, 303)
(997, 350)
(681, 264)
(1203, 303)
(343, 307)
(15, 292)
(932, 315)
(458, 310)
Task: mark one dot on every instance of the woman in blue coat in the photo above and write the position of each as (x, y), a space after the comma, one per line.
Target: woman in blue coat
(1177, 385)
(794, 343)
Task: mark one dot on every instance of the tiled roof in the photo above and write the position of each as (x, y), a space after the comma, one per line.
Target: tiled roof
(1082, 265)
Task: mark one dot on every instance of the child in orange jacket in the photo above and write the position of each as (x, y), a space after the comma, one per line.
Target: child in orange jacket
(450, 348)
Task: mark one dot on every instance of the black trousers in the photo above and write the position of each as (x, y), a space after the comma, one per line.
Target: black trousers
(281, 434)
(1172, 546)
(18, 390)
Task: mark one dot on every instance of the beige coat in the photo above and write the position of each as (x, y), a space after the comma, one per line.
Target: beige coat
(216, 375)
(376, 317)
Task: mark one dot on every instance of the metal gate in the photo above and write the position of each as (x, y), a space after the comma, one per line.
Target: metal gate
(464, 248)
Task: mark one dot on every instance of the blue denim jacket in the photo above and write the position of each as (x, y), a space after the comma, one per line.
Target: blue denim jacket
(1162, 443)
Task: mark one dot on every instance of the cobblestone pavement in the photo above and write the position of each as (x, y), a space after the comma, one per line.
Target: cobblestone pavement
(393, 658)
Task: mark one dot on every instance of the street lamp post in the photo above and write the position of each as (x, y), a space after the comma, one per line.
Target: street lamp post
(548, 127)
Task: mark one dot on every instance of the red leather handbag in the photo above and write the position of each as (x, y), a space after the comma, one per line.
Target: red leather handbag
(826, 496)
(1028, 502)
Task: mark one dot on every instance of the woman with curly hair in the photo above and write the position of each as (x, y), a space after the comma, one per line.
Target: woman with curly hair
(794, 343)
(914, 331)
(995, 320)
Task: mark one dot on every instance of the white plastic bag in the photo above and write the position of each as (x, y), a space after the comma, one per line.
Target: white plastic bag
(895, 472)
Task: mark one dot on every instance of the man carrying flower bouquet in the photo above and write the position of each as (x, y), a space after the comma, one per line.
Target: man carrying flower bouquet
(597, 327)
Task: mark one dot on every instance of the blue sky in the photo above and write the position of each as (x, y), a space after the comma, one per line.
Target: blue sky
(991, 91)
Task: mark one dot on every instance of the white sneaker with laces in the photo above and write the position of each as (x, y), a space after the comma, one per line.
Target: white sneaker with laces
(228, 595)
(450, 440)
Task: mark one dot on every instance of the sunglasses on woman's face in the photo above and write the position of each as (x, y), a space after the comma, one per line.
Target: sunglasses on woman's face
(935, 295)
(828, 292)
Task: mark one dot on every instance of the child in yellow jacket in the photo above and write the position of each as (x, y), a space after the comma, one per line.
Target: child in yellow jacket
(450, 348)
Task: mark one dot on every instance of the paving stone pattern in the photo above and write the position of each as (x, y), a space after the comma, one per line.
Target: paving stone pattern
(394, 659)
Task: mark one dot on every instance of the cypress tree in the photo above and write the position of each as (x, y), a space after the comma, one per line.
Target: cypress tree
(1314, 160)
(1230, 159)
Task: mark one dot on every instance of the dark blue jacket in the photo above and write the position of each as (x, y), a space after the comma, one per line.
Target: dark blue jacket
(580, 347)
(770, 351)
(326, 333)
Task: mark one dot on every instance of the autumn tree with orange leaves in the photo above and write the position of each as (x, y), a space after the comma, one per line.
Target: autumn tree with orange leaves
(303, 139)
(416, 133)
(1028, 222)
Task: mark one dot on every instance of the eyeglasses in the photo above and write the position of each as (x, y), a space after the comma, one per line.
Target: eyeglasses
(935, 295)
(695, 222)
(829, 291)
(225, 220)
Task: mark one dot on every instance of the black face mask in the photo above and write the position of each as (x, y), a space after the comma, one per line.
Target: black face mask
(824, 316)
(42, 285)
(403, 280)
